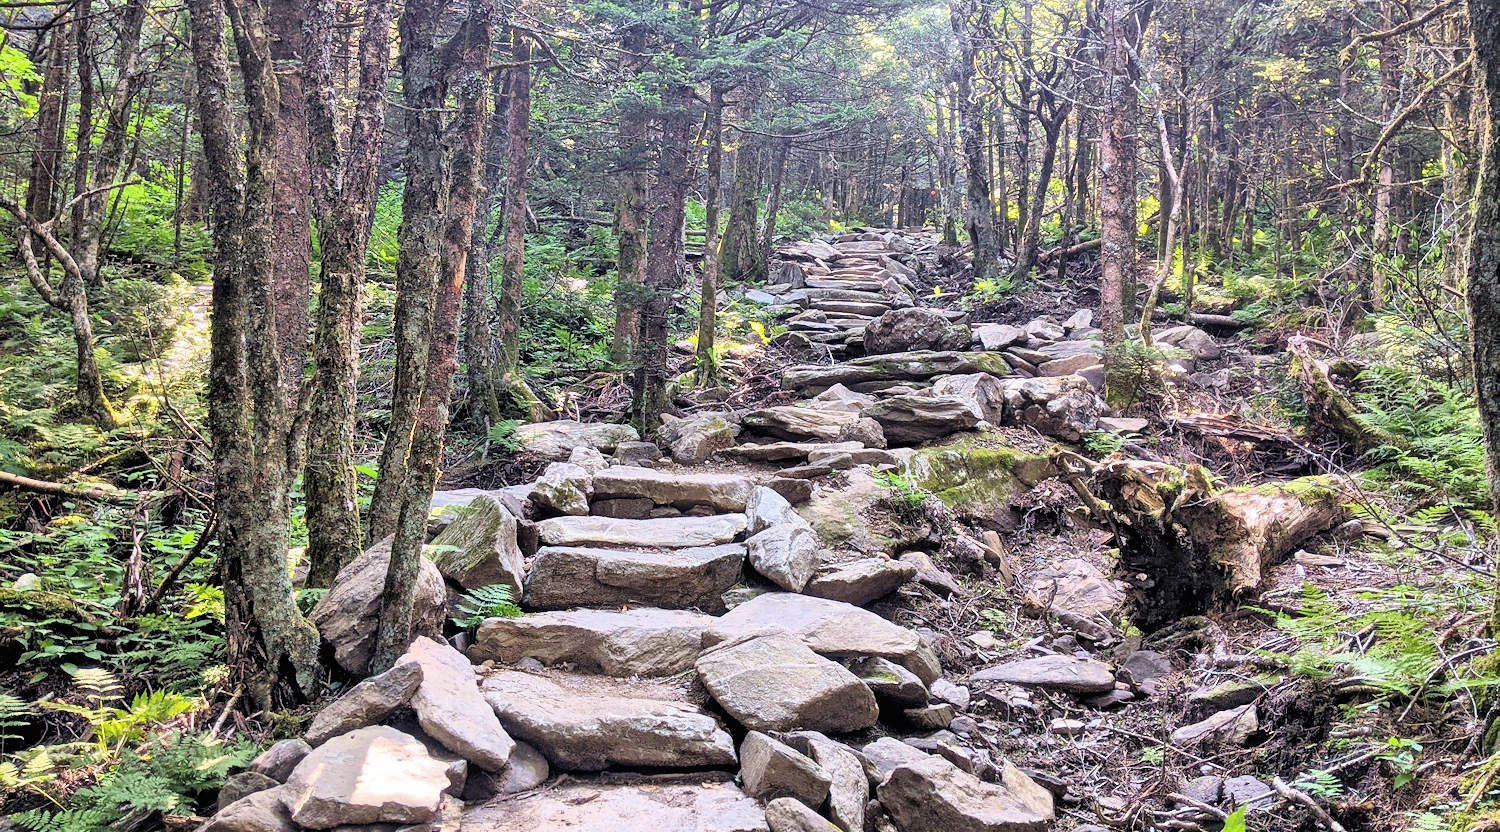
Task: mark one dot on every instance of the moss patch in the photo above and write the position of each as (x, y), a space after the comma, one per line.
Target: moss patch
(977, 481)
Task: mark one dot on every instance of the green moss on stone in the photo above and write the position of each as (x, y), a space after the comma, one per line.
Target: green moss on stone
(973, 479)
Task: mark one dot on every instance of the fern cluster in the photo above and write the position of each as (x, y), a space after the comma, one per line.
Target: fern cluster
(1441, 453)
(493, 601)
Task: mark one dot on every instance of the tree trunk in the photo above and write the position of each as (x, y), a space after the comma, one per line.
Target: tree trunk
(514, 393)
(472, 88)
(1484, 246)
(971, 129)
(1031, 238)
(664, 257)
(478, 343)
(630, 209)
(708, 301)
(272, 648)
(344, 184)
(737, 260)
(773, 205)
(422, 201)
(291, 195)
(1117, 168)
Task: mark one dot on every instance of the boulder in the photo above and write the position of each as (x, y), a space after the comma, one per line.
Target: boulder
(914, 328)
(1071, 365)
(636, 642)
(785, 814)
(350, 780)
(773, 682)
(848, 789)
(660, 533)
(556, 440)
(241, 785)
(766, 508)
(564, 488)
(934, 794)
(349, 614)
(929, 574)
(450, 709)
(945, 691)
(1069, 349)
(933, 717)
(984, 393)
(839, 397)
(1044, 330)
(479, 548)
(278, 761)
(883, 755)
(999, 336)
(1233, 727)
(527, 770)
(891, 683)
(642, 454)
(1078, 588)
(771, 769)
(1065, 673)
(786, 554)
(563, 577)
(693, 439)
(589, 459)
(1080, 319)
(591, 723)
(916, 418)
(630, 508)
(1191, 340)
(830, 628)
(861, 581)
(799, 423)
(697, 805)
(263, 810)
(1063, 406)
(725, 492)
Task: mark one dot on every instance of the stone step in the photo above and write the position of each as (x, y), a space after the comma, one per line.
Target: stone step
(920, 365)
(725, 492)
(702, 803)
(638, 642)
(799, 423)
(660, 533)
(563, 577)
(870, 308)
(781, 451)
(590, 723)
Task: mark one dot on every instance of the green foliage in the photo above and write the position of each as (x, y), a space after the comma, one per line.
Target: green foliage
(905, 498)
(1320, 783)
(493, 601)
(171, 777)
(1236, 820)
(503, 436)
(990, 289)
(146, 314)
(1106, 442)
(1399, 661)
(1441, 449)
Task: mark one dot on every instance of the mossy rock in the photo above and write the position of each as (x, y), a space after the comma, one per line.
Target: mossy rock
(975, 481)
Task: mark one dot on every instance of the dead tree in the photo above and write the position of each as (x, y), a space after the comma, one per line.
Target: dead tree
(1187, 546)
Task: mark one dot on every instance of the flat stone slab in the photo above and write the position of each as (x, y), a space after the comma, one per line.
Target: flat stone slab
(935, 794)
(790, 422)
(372, 775)
(773, 682)
(861, 581)
(918, 365)
(830, 628)
(780, 451)
(700, 804)
(1065, 673)
(635, 642)
(367, 702)
(586, 723)
(725, 492)
(661, 533)
(556, 440)
(563, 577)
(450, 709)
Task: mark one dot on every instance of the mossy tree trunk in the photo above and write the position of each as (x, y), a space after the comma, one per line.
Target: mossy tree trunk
(470, 84)
(344, 199)
(272, 648)
(708, 299)
(1483, 290)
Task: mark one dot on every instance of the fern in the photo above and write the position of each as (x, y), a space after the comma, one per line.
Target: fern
(13, 711)
(493, 601)
(1440, 449)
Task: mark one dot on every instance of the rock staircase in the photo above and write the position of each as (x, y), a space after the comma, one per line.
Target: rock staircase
(694, 656)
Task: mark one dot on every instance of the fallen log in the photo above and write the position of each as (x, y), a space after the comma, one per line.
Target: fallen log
(1329, 409)
(1186, 546)
(61, 489)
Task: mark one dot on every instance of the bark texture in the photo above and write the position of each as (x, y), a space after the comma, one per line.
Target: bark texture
(344, 184)
(272, 648)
